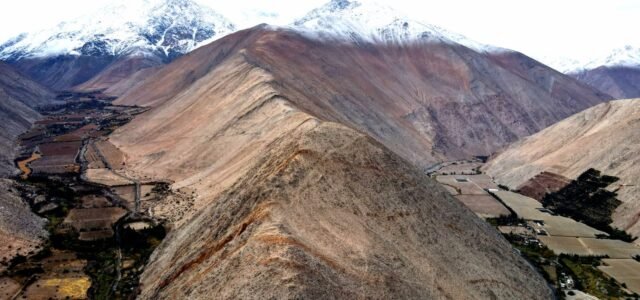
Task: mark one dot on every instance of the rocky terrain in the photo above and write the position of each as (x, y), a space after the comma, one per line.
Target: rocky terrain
(604, 137)
(21, 231)
(19, 97)
(303, 222)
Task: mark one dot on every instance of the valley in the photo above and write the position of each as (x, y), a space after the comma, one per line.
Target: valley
(99, 238)
(576, 254)
(154, 149)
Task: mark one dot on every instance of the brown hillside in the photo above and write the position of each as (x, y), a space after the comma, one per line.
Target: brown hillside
(290, 204)
(426, 102)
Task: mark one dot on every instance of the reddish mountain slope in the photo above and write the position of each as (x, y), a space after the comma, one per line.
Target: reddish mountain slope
(258, 126)
(426, 102)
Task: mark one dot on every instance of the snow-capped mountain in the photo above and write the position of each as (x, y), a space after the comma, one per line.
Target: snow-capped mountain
(627, 56)
(371, 21)
(171, 27)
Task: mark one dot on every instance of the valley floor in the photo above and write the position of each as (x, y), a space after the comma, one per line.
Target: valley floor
(99, 237)
(570, 255)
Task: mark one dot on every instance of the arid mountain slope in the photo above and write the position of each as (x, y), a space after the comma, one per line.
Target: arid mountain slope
(605, 137)
(305, 221)
(289, 205)
(122, 75)
(21, 231)
(618, 81)
(19, 97)
(425, 101)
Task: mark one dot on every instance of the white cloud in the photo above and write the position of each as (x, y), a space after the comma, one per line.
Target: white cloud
(541, 28)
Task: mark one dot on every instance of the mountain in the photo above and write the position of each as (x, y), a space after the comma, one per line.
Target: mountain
(122, 74)
(288, 202)
(617, 74)
(370, 21)
(73, 52)
(605, 137)
(19, 97)
(426, 101)
(619, 82)
(248, 125)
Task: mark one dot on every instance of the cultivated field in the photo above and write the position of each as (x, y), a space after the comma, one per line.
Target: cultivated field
(484, 205)
(623, 270)
(541, 184)
(530, 209)
(469, 189)
(590, 246)
(105, 177)
(8, 288)
(87, 220)
(127, 195)
(95, 201)
(113, 156)
(93, 158)
(463, 184)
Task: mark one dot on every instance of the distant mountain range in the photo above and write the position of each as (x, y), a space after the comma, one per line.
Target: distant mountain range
(151, 27)
(154, 31)
(617, 74)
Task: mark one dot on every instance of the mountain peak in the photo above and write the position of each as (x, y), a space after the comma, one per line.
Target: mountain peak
(169, 27)
(625, 56)
(372, 21)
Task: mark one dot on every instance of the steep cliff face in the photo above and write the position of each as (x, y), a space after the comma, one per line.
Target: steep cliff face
(605, 137)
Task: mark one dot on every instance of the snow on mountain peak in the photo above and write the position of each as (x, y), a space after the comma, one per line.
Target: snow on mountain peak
(172, 27)
(371, 21)
(627, 56)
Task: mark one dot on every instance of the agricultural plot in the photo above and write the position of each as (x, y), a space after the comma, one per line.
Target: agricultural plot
(530, 209)
(469, 189)
(9, 288)
(114, 158)
(93, 158)
(541, 184)
(461, 168)
(105, 177)
(462, 184)
(524, 207)
(68, 287)
(562, 226)
(612, 248)
(484, 205)
(94, 201)
(94, 219)
(626, 271)
(127, 195)
(590, 247)
(96, 235)
(57, 158)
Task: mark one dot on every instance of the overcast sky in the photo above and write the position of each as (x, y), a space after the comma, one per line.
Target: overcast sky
(540, 28)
